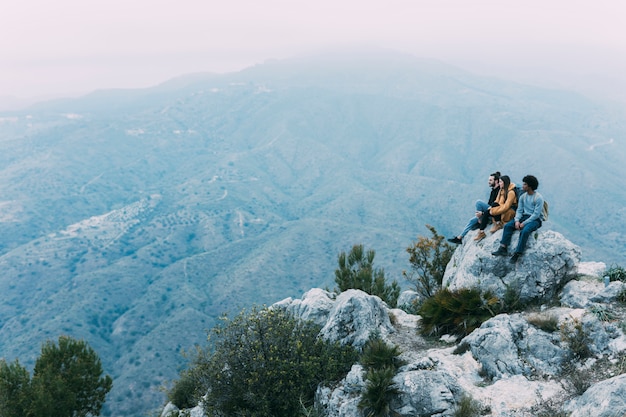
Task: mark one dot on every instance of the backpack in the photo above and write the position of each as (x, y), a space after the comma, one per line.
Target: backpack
(518, 193)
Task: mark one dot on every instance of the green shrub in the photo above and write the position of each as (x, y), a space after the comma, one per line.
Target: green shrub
(356, 271)
(511, 300)
(379, 355)
(576, 381)
(549, 408)
(266, 363)
(379, 391)
(602, 313)
(577, 340)
(456, 312)
(184, 393)
(546, 322)
(428, 258)
(616, 273)
(468, 407)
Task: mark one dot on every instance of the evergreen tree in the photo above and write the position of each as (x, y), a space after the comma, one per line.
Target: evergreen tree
(429, 257)
(14, 389)
(67, 382)
(356, 270)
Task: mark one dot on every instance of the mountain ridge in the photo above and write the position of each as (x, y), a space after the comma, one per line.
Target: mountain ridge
(251, 183)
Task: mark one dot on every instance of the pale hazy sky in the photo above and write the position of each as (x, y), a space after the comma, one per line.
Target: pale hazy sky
(75, 46)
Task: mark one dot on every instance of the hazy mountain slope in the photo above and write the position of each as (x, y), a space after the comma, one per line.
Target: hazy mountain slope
(134, 218)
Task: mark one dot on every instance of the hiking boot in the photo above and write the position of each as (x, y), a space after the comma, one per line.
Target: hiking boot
(455, 240)
(500, 252)
(496, 226)
(515, 257)
(480, 236)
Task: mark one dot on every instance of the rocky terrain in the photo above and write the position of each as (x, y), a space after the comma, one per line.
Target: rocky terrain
(512, 365)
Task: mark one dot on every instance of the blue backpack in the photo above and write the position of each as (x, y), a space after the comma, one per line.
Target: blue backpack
(518, 193)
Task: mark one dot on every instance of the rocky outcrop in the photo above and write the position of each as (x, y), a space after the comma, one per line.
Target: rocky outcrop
(512, 365)
(549, 262)
(604, 399)
(315, 305)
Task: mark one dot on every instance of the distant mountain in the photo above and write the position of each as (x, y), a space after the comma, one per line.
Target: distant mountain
(132, 217)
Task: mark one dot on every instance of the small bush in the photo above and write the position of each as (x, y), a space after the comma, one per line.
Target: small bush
(616, 273)
(576, 381)
(267, 363)
(379, 391)
(461, 348)
(379, 355)
(550, 408)
(512, 300)
(577, 340)
(602, 313)
(456, 312)
(546, 322)
(468, 407)
(184, 393)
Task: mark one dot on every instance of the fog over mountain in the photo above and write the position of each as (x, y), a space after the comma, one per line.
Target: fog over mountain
(134, 218)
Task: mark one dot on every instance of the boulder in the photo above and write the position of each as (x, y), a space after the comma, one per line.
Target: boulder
(350, 318)
(408, 299)
(354, 316)
(585, 293)
(576, 294)
(604, 399)
(548, 263)
(507, 345)
(426, 393)
(343, 400)
(315, 305)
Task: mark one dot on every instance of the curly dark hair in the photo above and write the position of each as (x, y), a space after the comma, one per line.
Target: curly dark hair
(531, 181)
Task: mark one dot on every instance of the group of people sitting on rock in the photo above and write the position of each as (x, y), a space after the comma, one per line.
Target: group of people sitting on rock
(505, 212)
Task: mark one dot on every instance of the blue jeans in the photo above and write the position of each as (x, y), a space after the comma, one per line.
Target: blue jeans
(473, 223)
(528, 228)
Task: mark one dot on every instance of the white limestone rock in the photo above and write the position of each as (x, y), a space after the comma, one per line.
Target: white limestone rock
(548, 263)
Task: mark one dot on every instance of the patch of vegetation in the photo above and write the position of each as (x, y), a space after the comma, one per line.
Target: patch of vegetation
(577, 340)
(428, 257)
(356, 271)
(576, 381)
(511, 301)
(377, 354)
(468, 407)
(265, 363)
(602, 313)
(67, 381)
(548, 322)
(616, 273)
(457, 312)
(381, 361)
(549, 408)
(379, 391)
(461, 348)
(184, 393)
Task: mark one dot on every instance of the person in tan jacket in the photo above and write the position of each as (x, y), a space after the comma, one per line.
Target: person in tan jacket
(507, 204)
(502, 210)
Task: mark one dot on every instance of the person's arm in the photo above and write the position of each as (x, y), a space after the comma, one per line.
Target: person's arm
(520, 208)
(537, 208)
